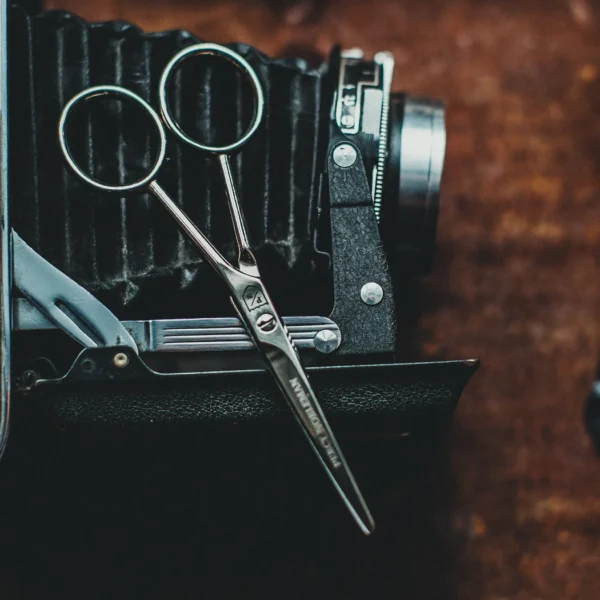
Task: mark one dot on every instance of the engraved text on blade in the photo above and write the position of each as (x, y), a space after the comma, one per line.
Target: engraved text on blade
(316, 422)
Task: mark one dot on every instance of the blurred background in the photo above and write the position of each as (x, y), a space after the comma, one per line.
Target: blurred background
(511, 508)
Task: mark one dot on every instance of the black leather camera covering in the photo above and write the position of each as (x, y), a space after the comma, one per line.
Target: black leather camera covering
(370, 398)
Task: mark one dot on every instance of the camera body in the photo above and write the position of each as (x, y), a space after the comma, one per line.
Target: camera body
(340, 189)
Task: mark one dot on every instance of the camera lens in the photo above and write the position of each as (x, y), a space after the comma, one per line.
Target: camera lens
(412, 188)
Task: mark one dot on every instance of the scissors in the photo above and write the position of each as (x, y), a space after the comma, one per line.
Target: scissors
(248, 293)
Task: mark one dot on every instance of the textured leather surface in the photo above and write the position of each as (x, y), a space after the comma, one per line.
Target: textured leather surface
(366, 329)
(370, 397)
(358, 258)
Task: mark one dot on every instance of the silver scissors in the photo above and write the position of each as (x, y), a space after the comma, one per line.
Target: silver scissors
(248, 293)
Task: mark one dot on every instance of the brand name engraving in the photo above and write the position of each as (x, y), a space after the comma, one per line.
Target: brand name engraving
(316, 422)
(253, 297)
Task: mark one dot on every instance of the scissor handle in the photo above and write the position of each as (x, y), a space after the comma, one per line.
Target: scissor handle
(235, 59)
(119, 92)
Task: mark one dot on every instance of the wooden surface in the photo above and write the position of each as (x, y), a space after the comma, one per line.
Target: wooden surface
(517, 280)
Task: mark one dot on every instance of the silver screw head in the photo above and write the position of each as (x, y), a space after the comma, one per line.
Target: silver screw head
(344, 155)
(347, 121)
(371, 293)
(327, 341)
(266, 322)
(120, 360)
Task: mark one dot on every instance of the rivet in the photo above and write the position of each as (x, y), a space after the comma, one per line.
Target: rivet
(371, 293)
(344, 155)
(327, 341)
(121, 360)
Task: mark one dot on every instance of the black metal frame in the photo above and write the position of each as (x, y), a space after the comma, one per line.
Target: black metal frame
(5, 262)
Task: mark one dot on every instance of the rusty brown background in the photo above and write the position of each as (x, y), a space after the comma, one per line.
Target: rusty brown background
(517, 280)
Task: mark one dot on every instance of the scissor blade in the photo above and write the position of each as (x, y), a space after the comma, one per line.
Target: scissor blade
(295, 385)
(68, 305)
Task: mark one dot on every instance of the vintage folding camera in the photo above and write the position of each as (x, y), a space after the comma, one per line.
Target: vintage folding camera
(109, 315)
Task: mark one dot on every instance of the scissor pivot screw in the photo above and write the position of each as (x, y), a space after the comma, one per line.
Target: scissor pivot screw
(120, 360)
(266, 322)
(344, 155)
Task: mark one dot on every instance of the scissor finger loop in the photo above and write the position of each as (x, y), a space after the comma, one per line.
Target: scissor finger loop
(117, 92)
(246, 260)
(239, 62)
(149, 181)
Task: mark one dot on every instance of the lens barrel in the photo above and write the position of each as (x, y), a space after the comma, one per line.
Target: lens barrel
(412, 188)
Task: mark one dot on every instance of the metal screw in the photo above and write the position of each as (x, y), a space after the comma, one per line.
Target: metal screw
(326, 341)
(347, 121)
(266, 322)
(121, 360)
(29, 378)
(87, 364)
(344, 155)
(371, 293)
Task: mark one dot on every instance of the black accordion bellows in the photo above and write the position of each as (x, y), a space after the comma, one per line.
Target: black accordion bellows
(127, 251)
